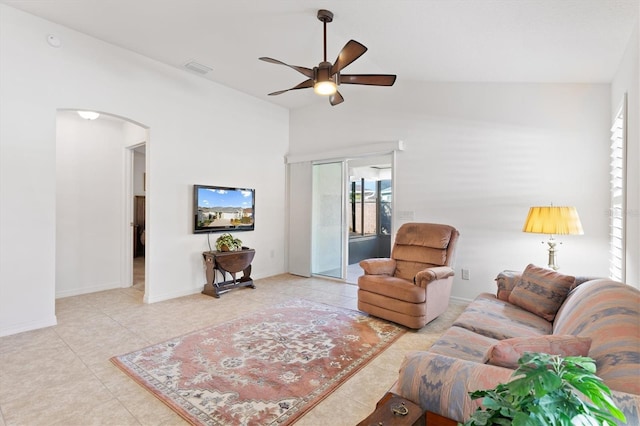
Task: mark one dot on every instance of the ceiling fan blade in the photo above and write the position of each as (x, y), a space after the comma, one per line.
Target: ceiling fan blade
(305, 84)
(336, 99)
(302, 70)
(349, 53)
(368, 79)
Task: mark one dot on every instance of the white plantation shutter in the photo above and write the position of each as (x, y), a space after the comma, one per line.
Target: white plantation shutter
(618, 189)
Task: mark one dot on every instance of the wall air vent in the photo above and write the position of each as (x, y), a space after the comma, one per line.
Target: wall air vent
(198, 68)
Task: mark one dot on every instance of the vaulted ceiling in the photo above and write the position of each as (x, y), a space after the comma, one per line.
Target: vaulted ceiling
(419, 40)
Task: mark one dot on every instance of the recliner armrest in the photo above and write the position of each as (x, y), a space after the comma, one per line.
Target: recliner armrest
(426, 276)
(378, 266)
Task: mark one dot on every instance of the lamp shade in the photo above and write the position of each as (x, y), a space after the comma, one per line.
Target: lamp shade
(553, 220)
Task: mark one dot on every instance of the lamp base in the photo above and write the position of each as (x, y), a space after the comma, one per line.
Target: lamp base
(552, 254)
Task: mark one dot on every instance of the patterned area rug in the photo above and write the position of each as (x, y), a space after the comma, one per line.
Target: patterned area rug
(268, 368)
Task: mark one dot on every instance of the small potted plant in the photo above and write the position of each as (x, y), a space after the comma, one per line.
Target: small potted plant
(226, 242)
(546, 392)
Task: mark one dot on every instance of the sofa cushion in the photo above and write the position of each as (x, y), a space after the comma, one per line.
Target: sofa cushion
(609, 313)
(441, 384)
(461, 343)
(583, 279)
(541, 291)
(506, 353)
(501, 320)
(506, 281)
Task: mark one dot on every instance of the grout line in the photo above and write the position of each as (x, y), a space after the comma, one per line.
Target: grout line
(231, 305)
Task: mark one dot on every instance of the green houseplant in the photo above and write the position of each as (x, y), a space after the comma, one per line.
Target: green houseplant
(546, 392)
(226, 242)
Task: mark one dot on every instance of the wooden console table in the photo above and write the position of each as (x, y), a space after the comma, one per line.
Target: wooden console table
(230, 262)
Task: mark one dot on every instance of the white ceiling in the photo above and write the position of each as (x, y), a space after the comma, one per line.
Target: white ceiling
(419, 40)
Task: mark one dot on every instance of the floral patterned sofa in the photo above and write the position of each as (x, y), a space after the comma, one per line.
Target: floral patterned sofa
(538, 310)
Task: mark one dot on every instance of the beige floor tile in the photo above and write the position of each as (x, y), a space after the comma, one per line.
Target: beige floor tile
(109, 413)
(114, 379)
(65, 372)
(30, 341)
(336, 410)
(55, 401)
(21, 376)
(148, 409)
(368, 385)
(390, 359)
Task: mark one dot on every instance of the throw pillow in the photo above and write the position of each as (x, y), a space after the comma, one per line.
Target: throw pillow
(541, 291)
(506, 281)
(506, 353)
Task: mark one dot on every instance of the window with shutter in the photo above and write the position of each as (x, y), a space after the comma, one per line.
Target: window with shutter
(618, 185)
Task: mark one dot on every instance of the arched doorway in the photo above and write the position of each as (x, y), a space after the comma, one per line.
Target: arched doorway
(94, 201)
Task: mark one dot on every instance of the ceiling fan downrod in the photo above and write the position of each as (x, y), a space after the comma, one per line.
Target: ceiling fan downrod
(325, 16)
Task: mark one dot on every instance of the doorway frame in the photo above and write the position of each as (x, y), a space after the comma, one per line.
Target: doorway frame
(128, 216)
(299, 188)
(345, 235)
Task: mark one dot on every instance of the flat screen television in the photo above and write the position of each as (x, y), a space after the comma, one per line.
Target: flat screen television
(223, 209)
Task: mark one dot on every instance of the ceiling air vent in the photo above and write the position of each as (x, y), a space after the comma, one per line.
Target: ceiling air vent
(197, 67)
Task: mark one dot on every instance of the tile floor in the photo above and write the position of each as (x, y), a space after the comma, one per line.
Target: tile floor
(61, 375)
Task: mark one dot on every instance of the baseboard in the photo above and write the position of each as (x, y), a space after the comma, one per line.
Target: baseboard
(28, 326)
(86, 290)
(172, 295)
(460, 299)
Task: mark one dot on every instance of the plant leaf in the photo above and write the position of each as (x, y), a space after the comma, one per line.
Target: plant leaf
(547, 390)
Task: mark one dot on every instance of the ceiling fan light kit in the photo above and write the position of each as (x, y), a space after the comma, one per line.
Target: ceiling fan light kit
(325, 88)
(323, 83)
(326, 77)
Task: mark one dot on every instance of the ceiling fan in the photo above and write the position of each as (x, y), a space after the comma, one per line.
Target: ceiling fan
(326, 77)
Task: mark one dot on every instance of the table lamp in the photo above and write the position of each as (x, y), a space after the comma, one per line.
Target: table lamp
(553, 220)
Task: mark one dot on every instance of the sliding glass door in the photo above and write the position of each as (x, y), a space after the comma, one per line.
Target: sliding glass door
(328, 225)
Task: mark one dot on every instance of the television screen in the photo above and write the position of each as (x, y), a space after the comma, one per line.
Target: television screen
(223, 209)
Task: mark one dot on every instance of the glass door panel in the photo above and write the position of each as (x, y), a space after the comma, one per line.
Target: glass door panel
(328, 230)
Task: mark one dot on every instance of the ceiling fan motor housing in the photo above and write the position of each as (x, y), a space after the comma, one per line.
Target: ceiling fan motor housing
(322, 72)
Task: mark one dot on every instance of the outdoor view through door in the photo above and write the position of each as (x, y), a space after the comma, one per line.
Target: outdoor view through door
(369, 212)
(370, 207)
(351, 209)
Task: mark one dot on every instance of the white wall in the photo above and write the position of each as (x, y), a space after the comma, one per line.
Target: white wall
(627, 81)
(199, 133)
(477, 157)
(89, 204)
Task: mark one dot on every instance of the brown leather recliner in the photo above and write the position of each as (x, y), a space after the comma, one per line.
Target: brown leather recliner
(413, 286)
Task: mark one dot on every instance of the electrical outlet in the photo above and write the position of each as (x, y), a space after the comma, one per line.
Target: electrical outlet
(466, 274)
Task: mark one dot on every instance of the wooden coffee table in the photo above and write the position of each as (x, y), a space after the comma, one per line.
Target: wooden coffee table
(393, 410)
